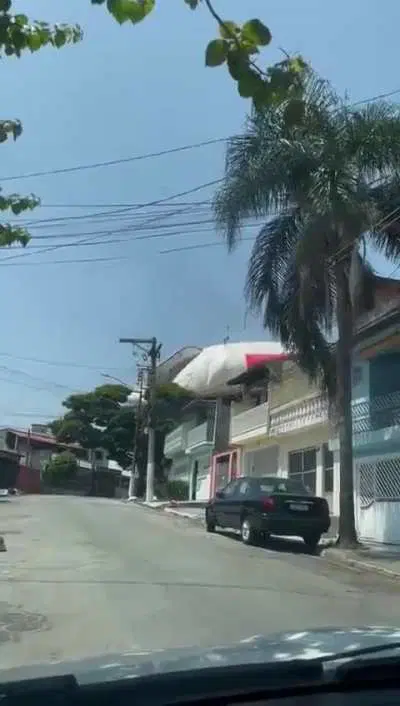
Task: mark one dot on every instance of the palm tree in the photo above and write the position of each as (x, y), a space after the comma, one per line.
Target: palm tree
(321, 186)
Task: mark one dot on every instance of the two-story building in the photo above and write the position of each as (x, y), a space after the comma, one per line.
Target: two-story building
(280, 426)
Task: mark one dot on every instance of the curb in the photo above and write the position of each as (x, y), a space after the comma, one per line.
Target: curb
(184, 516)
(339, 558)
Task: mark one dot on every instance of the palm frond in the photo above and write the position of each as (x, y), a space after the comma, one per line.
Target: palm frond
(385, 233)
(372, 139)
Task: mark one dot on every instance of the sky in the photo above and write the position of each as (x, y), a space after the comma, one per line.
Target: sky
(130, 91)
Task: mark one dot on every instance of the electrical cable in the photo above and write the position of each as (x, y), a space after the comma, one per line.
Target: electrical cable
(114, 162)
(150, 203)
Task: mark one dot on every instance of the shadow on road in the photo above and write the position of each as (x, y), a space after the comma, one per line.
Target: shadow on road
(277, 544)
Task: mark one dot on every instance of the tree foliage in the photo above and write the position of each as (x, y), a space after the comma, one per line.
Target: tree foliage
(236, 47)
(60, 469)
(99, 419)
(18, 35)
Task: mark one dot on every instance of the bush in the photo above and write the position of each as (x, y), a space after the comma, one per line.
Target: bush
(60, 469)
(177, 490)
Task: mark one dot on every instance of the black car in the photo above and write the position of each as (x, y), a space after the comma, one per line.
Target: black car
(259, 507)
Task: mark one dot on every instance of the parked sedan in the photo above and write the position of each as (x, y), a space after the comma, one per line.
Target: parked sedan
(263, 506)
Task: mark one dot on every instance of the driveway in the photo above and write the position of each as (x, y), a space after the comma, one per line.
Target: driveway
(87, 576)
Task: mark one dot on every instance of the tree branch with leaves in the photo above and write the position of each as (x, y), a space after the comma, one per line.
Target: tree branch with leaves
(19, 34)
(236, 47)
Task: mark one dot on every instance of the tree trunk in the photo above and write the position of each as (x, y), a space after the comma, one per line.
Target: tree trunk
(347, 530)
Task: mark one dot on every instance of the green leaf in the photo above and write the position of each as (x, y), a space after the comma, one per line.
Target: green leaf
(229, 30)
(255, 32)
(238, 63)
(249, 84)
(5, 5)
(130, 10)
(60, 38)
(216, 52)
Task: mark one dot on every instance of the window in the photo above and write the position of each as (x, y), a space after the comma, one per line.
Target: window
(244, 488)
(230, 489)
(384, 372)
(282, 485)
(303, 467)
(327, 466)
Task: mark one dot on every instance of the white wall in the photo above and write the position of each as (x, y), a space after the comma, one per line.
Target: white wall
(312, 437)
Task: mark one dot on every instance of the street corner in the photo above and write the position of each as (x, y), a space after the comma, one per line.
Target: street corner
(364, 559)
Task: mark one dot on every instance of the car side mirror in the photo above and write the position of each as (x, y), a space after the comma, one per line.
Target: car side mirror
(219, 494)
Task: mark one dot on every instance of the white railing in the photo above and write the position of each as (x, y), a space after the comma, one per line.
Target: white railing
(298, 414)
(252, 422)
(202, 434)
(175, 441)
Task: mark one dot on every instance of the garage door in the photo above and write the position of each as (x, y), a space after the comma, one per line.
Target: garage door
(262, 462)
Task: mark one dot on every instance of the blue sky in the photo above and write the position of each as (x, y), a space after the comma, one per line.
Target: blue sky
(128, 91)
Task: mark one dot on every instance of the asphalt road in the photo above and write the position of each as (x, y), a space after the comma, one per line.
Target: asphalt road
(83, 577)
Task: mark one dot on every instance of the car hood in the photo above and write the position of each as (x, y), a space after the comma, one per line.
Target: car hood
(279, 647)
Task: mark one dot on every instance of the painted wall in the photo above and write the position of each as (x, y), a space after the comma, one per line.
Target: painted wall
(294, 385)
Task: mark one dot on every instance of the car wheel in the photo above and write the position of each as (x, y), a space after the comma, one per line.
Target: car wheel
(311, 541)
(210, 523)
(247, 531)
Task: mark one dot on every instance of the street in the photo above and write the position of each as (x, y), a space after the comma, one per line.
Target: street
(86, 576)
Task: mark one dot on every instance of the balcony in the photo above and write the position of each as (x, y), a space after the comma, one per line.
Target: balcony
(175, 441)
(202, 435)
(251, 423)
(376, 422)
(297, 415)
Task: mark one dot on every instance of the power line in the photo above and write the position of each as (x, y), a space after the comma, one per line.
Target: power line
(113, 205)
(98, 216)
(44, 361)
(161, 153)
(16, 371)
(125, 258)
(150, 203)
(114, 162)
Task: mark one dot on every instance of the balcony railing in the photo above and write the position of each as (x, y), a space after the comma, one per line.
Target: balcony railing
(375, 414)
(175, 441)
(297, 415)
(252, 422)
(202, 434)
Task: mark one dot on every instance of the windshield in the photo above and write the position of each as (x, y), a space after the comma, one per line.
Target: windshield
(282, 485)
(186, 309)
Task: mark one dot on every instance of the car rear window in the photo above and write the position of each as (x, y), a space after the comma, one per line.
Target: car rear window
(283, 485)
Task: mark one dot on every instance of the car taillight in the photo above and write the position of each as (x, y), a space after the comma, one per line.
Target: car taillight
(268, 504)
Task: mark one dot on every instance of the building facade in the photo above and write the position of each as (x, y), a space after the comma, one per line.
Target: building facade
(376, 427)
(190, 446)
(284, 430)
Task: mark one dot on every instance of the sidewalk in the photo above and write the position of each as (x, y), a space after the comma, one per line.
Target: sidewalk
(383, 560)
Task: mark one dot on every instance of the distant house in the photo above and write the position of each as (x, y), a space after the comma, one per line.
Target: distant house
(35, 447)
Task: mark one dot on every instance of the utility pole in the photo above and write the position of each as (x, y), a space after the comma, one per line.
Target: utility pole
(151, 353)
(138, 425)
